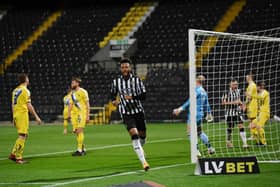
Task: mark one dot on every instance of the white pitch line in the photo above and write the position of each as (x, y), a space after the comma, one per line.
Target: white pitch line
(27, 183)
(98, 148)
(115, 175)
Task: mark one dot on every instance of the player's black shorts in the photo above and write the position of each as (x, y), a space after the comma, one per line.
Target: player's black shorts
(135, 121)
(232, 120)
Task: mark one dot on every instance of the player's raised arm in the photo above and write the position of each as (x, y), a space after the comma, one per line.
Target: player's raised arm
(185, 106)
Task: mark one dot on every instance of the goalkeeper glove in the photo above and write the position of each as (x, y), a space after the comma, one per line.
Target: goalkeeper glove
(177, 111)
(209, 118)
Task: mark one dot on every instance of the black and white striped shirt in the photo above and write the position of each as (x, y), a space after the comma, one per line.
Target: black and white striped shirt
(231, 96)
(132, 86)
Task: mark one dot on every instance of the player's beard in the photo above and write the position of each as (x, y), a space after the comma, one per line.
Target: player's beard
(74, 87)
(126, 74)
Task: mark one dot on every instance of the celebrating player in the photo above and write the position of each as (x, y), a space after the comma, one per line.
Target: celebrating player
(202, 106)
(66, 102)
(78, 112)
(21, 105)
(131, 91)
(251, 101)
(263, 116)
(233, 104)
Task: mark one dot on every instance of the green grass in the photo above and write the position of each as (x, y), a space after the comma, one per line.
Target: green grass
(167, 147)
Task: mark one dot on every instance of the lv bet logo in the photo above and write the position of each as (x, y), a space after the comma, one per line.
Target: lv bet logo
(240, 165)
(230, 167)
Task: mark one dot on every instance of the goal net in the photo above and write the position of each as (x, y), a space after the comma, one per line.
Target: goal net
(221, 58)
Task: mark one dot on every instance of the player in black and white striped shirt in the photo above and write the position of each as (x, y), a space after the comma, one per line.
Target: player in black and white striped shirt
(131, 91)
(231, 99)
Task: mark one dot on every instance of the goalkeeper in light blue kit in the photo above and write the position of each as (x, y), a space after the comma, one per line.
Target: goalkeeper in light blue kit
(202, 106)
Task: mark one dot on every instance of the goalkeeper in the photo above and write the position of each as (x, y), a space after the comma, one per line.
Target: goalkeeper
(202, 105)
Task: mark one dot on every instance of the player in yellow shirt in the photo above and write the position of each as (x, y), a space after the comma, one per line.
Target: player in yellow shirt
(251, 101)
(66, 102)
(257, 124)
(79, 113)
(21, 105)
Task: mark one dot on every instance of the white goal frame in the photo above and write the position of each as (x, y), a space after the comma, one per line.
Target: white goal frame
(192, 77)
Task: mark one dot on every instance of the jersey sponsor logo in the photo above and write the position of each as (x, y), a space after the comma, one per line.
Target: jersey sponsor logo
(235, 165)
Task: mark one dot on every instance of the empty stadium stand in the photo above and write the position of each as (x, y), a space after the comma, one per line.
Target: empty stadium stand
(65, 49)
(61, 53)
(163, 37)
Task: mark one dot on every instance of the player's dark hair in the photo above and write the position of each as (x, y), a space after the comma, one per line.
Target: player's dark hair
(125, 60)
(251, 74)
(233, 80)
(22, 78)
(261, 84)
(77, 79)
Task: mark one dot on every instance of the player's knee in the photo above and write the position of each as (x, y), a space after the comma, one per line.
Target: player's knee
(240, 126)
(142, 137)
(199, 130)
(134, 137)
(142, 134)
(22, 136)
(79, 130)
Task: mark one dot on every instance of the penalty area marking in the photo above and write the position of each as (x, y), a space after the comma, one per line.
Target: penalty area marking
(115, 175)
(99, 148)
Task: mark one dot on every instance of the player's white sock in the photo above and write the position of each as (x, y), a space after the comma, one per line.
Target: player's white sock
(243, 136)
(139, 150)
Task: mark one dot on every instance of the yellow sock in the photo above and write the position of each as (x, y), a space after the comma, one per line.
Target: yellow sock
(80, 141)
(18, 148)
(262, 136)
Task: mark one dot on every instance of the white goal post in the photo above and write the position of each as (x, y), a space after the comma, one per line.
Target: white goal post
(222, 57)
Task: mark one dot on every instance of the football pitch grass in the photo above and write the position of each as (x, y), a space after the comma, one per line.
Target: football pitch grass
(110, 159)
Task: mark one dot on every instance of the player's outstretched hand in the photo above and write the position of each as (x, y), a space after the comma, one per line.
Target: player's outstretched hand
(176, 112)
(209, 118)
(38, 120)
(243, 107)
(115, 102)
(87, 120)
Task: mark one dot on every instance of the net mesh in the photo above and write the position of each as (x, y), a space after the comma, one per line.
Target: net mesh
(221, 57)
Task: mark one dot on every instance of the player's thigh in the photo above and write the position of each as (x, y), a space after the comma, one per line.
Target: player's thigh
(140, 121)
(262, 119)
(252, 112)
(81, 123)
(231, 120)
(199, 127)
(238, 120)
(129, 121)
(22, 123)
(74, 121)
